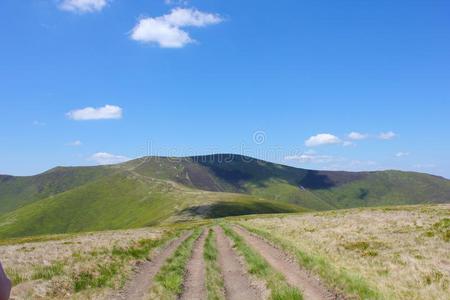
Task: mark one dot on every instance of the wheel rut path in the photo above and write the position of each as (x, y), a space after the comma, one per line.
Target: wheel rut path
(236, 280)
(310, 287)
(139, 285)
(194, 286)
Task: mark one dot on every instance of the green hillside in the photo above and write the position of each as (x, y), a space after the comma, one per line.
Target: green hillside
(154, 190)
(317, 190)
(19, 191)
(127, 200)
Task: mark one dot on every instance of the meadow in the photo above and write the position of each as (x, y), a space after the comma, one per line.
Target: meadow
(386, 253)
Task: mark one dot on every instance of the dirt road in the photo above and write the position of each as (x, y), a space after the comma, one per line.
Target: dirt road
(139, 285)
(237, 282)
(310, 287)
(194, 286)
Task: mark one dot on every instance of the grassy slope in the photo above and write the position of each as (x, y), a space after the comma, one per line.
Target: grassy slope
(16, 192)
(389, 188)
(285, 192)
(369, 253)
(125, 201)
(152, 190)
(321, 190)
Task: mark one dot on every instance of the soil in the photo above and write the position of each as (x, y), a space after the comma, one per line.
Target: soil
(237, 283)
(194, 286)
(139, 286)
(310, 286)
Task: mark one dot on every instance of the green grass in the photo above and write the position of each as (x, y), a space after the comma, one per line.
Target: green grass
(441, 229)
(365, 248)
(101, 277)
(351, 285)
(105, 274)
(48, 272)
(114, 202)
(110, 272)
(214, 279)
(284, 192)
(15, 277)
(16, 192)
(138, 251)
(258, 266)
(35, 239)
(388, 188)
(152, 191)
(169, 280)
(121, 201)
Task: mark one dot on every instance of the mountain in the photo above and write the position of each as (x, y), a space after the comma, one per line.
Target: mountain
(153, 190)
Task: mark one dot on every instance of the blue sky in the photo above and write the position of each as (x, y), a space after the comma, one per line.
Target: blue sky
(95, 81)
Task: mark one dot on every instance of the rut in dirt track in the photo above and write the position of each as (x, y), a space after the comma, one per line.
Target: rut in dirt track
(194, 286)
(286, 265)
(237, 282)
(139, 285)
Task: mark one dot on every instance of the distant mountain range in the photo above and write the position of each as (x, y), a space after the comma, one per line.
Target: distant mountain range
(154, 190)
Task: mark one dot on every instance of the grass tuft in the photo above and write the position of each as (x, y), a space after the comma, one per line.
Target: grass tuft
(214, 279)
(103, 276)
(169, 280)
(48, 272)
(138, 250)
(442, 228)
(15, 277)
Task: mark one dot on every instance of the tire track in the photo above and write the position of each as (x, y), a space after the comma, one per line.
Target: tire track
(138, 287)
(194, 286)
(236, 280)
(310, 287)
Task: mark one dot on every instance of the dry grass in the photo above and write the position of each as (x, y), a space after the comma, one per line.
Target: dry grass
(89, 263)
(403, 253)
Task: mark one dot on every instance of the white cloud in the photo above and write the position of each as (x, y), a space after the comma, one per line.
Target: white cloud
(311, 158)
(322, 139)
(76, 143)
(166, 30)
(100, 113)
(401, 154)
(83, 6)
(181, 17)
(357, 136)
(150, 30)
(104, 158)
(387, 135)
(348, 144)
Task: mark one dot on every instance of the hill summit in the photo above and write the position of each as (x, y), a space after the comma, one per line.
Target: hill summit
(153, 190)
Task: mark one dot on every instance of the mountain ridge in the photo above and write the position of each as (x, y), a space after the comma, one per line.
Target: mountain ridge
(151, 190)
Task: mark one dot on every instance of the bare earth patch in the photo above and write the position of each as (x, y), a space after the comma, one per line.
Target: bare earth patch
(310, 287)
(194, 286)
(138, 287)
(237, 282)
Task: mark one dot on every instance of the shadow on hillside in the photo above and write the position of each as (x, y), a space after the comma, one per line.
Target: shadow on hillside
(225, 209)
(315, 180)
